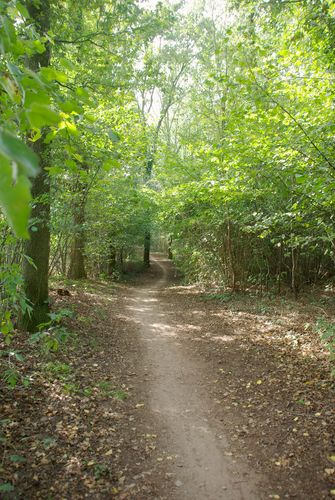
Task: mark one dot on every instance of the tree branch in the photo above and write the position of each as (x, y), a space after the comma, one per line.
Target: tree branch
(295, 121)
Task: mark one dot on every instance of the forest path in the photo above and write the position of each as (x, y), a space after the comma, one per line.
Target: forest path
(170, 392)
(201, 463)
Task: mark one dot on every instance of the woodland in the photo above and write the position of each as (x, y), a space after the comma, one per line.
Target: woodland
(204, 130)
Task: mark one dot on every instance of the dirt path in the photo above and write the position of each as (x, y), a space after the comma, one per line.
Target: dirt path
(169, 392)
(203, 468)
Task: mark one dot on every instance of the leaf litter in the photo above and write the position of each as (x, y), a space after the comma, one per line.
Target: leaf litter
(83, 427)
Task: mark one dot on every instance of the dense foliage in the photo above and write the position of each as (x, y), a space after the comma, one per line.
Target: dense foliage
(249, 183)
(213, 127)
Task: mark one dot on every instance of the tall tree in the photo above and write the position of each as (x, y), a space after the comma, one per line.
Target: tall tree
(161, 88)
(37, 247)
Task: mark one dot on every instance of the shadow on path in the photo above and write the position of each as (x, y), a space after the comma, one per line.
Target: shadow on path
(201, 462)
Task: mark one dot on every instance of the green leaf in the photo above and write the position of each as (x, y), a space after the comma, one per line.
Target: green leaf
(37, 135)
(15, 72)
(38, 46)
(17, 459)
(83, 94)
(113, 136)
(90, 117)
(50, 74)
(23, 10)
(70, 107)
(110, 164)
(70, 127)
(9, 86)
(16, 151)
(15, 199)
(6, 487)
(40, 116)
(26, 382)
(31, 261)
(67, 64)
(18, 356)
(38, 96)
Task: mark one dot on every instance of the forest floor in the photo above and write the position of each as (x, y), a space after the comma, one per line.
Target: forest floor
(166, 391)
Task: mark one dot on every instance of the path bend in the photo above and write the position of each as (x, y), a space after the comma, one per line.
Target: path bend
(201, 463)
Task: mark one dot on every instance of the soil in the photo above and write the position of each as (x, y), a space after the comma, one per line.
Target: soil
(166, 391)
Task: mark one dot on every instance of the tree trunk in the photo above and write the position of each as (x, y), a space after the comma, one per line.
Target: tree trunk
(146, 253)
(294, 272)
(37, 248)
(231, 257)
(170, 254)
(279, 271)
(77, 260)
(147, 234)
(111, 264)
(119, 259)
(77, 269)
